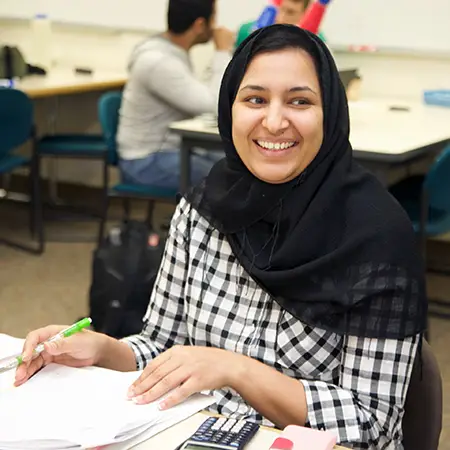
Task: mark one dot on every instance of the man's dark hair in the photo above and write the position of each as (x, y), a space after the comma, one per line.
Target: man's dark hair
(183, 13)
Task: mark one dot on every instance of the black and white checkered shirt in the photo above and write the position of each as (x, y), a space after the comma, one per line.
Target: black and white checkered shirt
(354, 386)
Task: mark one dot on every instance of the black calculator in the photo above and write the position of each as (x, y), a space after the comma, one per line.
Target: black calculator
(219, 433)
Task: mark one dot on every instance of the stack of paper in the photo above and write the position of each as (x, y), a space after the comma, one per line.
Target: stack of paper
(63, 408)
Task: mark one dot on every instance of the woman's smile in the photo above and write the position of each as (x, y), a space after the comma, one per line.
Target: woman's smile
(276, 149)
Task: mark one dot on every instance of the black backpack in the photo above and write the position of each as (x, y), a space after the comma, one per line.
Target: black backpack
(12, 63)
(124, 270)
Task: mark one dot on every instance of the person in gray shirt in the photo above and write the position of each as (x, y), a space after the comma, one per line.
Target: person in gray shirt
(162, 89)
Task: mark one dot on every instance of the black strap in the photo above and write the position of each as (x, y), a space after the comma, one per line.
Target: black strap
(8, 63)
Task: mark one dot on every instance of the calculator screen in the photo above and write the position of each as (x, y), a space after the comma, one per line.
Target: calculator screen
(197, 447)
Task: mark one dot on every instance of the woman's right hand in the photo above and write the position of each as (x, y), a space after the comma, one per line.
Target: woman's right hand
(79, 350)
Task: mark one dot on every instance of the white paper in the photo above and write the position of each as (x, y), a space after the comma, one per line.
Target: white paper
(167, 419)
(8, 346)
(63, 407)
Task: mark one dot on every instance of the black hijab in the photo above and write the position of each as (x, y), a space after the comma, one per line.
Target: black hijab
(332, 247)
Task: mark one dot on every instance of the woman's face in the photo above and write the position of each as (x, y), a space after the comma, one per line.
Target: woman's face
(277, 115)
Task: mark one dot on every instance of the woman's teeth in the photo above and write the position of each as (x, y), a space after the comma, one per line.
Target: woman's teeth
(275, 146)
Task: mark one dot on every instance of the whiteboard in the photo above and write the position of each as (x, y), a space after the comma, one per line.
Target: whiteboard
(127, 14)
(416, 25)
(411, 25)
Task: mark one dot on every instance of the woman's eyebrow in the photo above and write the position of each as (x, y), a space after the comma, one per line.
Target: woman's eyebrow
(255, 87)
(301, 88)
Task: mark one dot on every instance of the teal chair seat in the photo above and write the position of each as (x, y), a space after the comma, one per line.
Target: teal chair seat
(16, 129)
(88, 147)
(146, 191)
(9, 163)
(108, 112)
(426, 200)
(409, 193)
(73, 145)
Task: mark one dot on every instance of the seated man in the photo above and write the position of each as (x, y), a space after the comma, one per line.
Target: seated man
(289, 12)
(162, 89)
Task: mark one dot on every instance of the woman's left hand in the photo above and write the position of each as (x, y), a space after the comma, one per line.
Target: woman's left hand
(186, 370)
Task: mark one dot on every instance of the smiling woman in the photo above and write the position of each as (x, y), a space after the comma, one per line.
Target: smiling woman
(278, 116)
(291, 287)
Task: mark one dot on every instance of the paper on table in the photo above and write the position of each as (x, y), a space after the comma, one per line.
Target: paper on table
(167, 419)
(83, 406)
(86, 407)
(8, 346)
(66, 403)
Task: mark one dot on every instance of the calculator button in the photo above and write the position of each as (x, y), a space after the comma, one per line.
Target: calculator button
(218, 424)
(238, 427)
(229, 424)
(217, 437)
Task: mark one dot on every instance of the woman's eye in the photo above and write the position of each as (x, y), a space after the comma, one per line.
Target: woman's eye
(256, 100)
(300, 102)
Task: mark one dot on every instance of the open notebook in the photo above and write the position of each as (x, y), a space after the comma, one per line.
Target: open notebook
(62, 408)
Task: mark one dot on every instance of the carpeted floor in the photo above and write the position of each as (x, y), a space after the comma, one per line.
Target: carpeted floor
(53, 288)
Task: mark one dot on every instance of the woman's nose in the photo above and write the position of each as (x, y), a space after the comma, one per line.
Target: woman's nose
(275, 121)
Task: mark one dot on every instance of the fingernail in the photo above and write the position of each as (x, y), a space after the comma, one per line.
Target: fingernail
(131, 393)
(162, 405)
(138, 400)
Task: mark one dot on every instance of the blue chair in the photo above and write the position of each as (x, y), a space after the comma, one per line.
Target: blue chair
(108, 111)
(17, 128)
(426, 199)
(74, 146)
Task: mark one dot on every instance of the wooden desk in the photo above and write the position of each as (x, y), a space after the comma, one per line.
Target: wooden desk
(66, 81)
(174, 436)
(378, 134)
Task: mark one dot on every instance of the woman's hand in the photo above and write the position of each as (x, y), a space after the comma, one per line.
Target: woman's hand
(80, 350)
(186, 370)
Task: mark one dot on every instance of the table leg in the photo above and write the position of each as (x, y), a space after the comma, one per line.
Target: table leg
(185, 166)
(52, 163)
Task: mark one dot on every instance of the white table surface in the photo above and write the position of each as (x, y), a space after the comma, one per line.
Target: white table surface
(62, 81)
(374, 127)
(174, 436)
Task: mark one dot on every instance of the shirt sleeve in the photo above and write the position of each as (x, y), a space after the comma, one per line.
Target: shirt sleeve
(365, 409)
(174, 82)
(165, 322)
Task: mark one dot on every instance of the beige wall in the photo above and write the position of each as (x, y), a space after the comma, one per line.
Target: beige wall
(403, 77)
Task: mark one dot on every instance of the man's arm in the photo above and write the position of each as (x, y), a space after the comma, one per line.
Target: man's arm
(174, 82)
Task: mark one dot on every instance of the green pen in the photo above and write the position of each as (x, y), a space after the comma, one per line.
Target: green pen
(12, 362)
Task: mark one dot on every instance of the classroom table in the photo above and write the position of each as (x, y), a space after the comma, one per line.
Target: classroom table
(174, 436)
(383, 133)
(61, 81)
(64, 81)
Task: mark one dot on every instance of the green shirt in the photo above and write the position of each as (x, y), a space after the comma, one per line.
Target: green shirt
(247, 28)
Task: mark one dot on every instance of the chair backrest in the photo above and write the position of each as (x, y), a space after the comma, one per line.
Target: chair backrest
(437, 182)
(422, 422)
(16, 119)
(108, 113)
